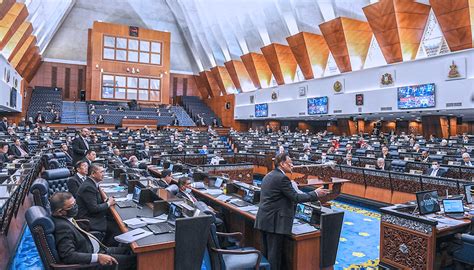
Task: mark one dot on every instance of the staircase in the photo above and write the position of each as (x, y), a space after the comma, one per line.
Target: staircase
(194, 106)
(74, 113)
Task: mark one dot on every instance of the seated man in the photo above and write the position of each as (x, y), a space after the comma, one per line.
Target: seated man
(116, 156)
(75, 245)
(185, 191)
(4, 157)
(65, 150)
(90, 157)
(382, 165)
(348, 161)
(307, 154)
(466, 160)
(203, 150)
(425, 157)
(132, 162)
(179, 150)
(165, 179)
(216, 159)
(435, 170)
(18, 149)
(75, 181)
(385, 154)
(93, 207)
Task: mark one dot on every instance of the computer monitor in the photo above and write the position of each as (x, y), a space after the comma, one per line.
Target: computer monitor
(427, 202)
(218, 182)
(248, 195)
(174, 212)
(136, 194)
(453, 206)
(171, 167)
(304, 212)
(468, 192)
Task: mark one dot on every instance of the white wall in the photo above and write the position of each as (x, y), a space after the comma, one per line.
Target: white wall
(5, 87)
(428, 70)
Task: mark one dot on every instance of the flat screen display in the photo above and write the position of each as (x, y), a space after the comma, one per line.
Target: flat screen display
(303, 212)
(416, 96)
(317, 105)
(261, 110)
(427, 202)
(468, 191)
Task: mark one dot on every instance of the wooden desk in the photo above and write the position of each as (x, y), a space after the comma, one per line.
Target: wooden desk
(409, 241)
(134, 123)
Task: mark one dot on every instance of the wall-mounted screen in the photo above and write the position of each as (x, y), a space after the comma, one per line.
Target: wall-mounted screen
(318, 105)
(261, 110)
(416, 96)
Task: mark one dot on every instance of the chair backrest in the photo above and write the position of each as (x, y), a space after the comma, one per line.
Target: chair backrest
(57, 179)
(217, 260)
(40, 191)
(42, 229)
(190, 245)
(53, 164)
(398, 165)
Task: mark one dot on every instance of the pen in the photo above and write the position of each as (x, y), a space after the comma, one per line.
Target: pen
(138, 233)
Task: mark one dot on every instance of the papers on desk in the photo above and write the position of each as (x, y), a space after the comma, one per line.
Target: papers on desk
(113, 188)
(141, 222)
(302, 228)
(212, 192)
(223, 197)
(122, 199)
(132, 236)
(249, 208)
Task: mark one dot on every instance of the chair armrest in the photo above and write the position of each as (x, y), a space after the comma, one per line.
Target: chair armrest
(237, 235)
(72, 266)
(241, 252)
(469, 238)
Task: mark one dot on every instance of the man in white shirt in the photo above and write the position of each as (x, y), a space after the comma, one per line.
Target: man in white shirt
(216, 159)
(466, 160)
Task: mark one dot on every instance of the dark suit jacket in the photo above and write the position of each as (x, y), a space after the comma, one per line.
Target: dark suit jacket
(439, 173)
(387, 167)
(277, 203)
(3, 126)
(72, 246)
(466, 164)
(73, 184)
(79, 149)
(68, 158)
(4, 158)
(92, 206)
(15, 151)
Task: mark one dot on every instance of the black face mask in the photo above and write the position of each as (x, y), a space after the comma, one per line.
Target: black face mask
(72, 212)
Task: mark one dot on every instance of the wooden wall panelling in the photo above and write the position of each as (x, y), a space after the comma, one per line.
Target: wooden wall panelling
(31, 71)
(455, 17)
(281, 61)
(258, 69)
(311, 52)
(5, 6)
(398, 26)
(210, 83)
(224, 81)
(217, 105)
(453, 126)
(436, 125)
(22, 52)
(97, 65)
(201, 87)
(239, 75)
(11, 22)
(348, 40)
(18, 38)
(186, 85)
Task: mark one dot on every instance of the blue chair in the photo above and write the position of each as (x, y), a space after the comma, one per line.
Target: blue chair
(40, 191)
(398, 165)
(463, 256)
(57, 179)
(42, 229)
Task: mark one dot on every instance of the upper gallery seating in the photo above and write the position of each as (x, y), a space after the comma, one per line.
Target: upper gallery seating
(196, 107)
(114, 112)
(45, 100)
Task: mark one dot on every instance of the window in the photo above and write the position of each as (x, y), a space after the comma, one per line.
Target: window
(130, 87)
(132, 50)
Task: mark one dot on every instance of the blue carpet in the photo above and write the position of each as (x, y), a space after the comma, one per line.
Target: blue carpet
(26, 256)
(360, 237)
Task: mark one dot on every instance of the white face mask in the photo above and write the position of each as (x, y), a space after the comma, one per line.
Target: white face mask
(434, 167)
(187, 191)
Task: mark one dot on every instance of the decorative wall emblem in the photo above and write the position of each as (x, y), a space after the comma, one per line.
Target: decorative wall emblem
(337, 86)
(359, 99)
(227, 105)
(453, 71)
(252, 99)
(302, 91)
(274, 95)
(386, 79)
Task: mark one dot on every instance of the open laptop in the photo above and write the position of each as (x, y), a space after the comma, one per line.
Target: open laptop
(243, 202)
(135, 199)
(468, 192)
(453, 208)
(170, 224)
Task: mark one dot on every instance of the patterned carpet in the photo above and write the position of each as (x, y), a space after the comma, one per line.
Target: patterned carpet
(360, 237)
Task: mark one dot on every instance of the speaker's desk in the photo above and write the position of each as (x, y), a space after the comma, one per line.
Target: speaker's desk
(305, 250)
(408, 241)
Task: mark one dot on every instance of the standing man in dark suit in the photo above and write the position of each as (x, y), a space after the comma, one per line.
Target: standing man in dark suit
(80, 146)
(93, 207)
(75, 245)
(75, 181)
(277, 209)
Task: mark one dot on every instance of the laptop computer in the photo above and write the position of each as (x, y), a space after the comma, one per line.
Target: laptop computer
(468, 192)
(135, 199)
(453, 208)
(170, 224)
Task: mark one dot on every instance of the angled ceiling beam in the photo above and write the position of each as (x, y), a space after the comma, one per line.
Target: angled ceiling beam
(281, 61)
(20, 36)
(210, 83)
(348, 40)
(239, 75)
(258, 69)
(11, 22)
(33, 68)
(224, 80)
(5, 6)
(201, 86)
(20, 55)
(456, 18)
(311, 52)
(398, 27)
(30, 54)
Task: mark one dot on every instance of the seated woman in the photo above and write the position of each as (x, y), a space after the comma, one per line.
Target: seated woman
(100, 120)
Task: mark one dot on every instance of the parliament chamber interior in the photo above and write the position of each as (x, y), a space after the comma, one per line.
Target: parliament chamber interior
(236, 134)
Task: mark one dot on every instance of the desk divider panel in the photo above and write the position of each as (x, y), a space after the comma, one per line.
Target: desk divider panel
(440, 185)
(408, 183)
(378, 179)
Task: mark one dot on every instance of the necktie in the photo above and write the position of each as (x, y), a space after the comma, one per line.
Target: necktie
(85, 142)
(88, 234)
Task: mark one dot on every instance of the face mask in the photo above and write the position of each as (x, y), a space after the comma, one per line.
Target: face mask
(72, 212)
(434, 167)
(187, 190)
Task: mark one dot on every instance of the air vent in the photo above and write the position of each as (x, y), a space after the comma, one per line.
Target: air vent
(337, 111)
(302, 113)
(454, 104)
(274, 114)
(386, 108)
(359, 109)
